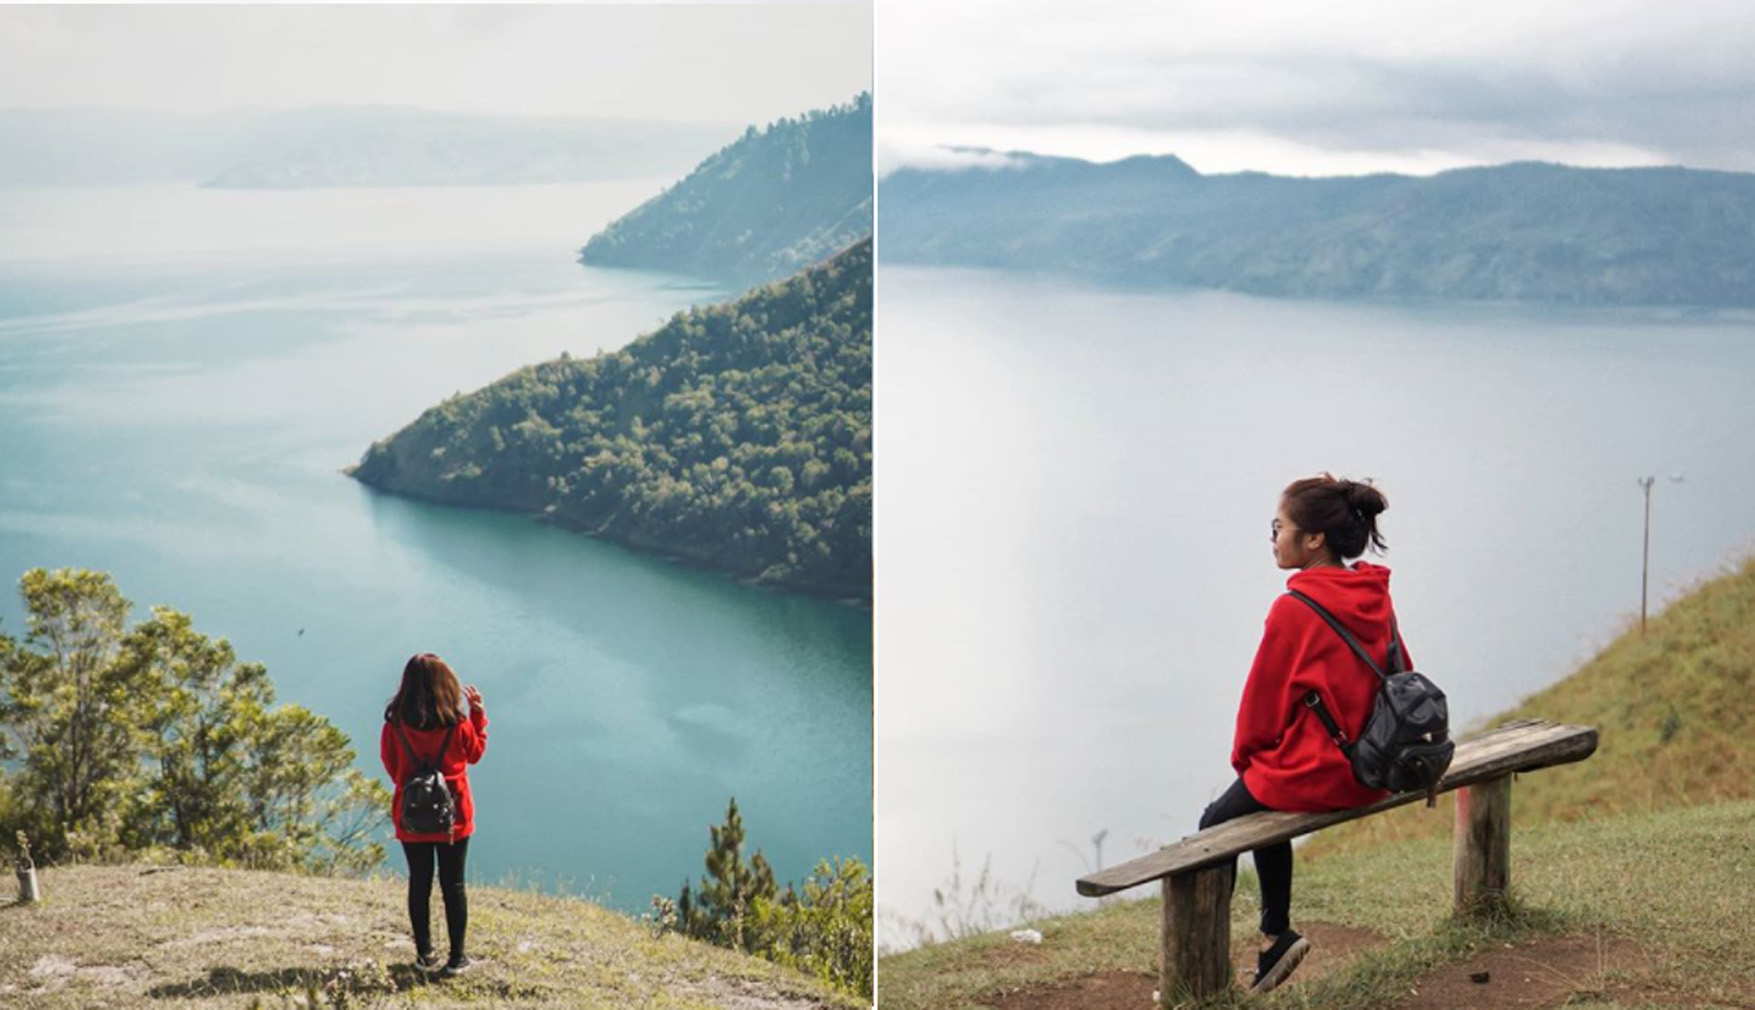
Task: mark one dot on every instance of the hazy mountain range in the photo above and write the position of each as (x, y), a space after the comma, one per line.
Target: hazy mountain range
(774, 202)
(338, 146)
(1518, 232)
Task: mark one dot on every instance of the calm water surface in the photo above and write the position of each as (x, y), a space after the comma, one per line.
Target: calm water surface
(184, 372)
(1073, 553)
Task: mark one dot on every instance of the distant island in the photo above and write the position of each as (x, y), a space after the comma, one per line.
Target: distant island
(339, 146)
(1526, 232)
(775, 201)
(736, 436)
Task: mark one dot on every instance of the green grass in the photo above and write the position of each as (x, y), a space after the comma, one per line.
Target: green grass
(128, 936)
(1669, 881)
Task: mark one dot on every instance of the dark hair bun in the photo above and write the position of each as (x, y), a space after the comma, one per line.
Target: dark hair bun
(1364, 498)
(1345, 511)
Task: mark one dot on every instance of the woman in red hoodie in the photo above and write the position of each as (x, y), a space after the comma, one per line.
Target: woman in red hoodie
(424, 727)
(1284, 757)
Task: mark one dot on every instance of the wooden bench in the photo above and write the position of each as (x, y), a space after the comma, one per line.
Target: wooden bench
(1196, 941)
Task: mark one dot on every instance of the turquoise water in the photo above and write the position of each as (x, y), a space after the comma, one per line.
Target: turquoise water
(176, 412)
(1073, 555)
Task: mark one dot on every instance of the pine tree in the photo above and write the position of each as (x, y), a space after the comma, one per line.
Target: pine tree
(729, 892)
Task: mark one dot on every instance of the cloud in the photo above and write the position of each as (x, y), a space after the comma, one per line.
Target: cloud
(720, 63)
(898, 151)
(1659, 82)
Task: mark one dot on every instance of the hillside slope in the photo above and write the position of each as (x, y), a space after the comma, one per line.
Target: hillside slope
(736, 436)
(1676, 711)
(772, 203)
(130, 936)
(1519, 232)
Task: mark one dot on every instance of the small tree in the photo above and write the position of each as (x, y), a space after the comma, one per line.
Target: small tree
(72, 706)
(729, 892)
(204, 708)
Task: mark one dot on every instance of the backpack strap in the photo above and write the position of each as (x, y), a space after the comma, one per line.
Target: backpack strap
(1398, 657)
(1353, 643)
(1313, 701)
(414, 759)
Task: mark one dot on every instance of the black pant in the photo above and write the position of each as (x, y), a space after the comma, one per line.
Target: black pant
(420, 891)
(1273, 863)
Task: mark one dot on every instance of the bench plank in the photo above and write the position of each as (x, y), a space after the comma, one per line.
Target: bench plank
(1520, 746)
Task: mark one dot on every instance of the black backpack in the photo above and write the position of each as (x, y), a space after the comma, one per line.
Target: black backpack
(1406, 745)
(427, 805)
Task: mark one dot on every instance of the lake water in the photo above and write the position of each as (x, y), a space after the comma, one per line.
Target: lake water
(183, 374)
(1073, 558)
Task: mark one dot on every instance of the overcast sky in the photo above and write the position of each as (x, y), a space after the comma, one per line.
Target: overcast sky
(718, 63)
(1298, 87)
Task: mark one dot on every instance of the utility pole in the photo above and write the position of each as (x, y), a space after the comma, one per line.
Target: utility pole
(1645, 560)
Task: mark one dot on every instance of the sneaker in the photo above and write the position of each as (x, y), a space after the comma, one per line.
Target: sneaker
(427, 963)
(456, 966)
(1275, 964)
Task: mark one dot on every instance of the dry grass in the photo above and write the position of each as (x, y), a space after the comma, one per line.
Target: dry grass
(134, 936)
(1675, 709)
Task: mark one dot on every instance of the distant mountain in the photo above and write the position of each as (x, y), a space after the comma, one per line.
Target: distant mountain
(736, 436)
(1518, 232)
(764, 207)
(337, 146)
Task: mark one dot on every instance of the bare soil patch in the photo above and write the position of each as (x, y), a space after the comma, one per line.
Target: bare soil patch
(1542, 972)
(1332, 947)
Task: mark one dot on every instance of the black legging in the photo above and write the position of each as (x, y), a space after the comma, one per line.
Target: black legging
(420, 891)
(1273, 863)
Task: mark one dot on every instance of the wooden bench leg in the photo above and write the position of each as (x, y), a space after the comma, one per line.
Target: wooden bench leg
(1483, 845)
(1196, 955)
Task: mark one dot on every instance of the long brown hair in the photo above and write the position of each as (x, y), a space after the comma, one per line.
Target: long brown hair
(429, 697)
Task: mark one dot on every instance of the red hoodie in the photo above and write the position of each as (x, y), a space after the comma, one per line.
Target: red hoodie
(468, 742)
(1282, 750)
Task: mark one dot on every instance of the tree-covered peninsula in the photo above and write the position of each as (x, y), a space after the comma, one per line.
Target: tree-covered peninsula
(1521, 232)
(736, 436)
(764, 207)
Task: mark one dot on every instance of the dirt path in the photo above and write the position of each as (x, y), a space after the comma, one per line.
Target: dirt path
(1549, 971)
(1332, 947)
(1544, 973)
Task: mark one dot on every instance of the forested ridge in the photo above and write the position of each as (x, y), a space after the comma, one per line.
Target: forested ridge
(1519, 232)
(773, 202)
(736, 436)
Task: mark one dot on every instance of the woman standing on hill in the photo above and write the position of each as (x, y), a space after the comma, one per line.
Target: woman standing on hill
(1284, 756)
(424, 731)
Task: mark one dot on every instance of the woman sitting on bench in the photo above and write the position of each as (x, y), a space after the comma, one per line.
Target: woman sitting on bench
(1284, 756)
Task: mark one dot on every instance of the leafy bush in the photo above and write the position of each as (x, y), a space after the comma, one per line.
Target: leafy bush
(823, 928)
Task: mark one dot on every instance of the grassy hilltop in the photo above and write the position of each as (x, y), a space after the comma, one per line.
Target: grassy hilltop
(143, 936)
(1631, 871)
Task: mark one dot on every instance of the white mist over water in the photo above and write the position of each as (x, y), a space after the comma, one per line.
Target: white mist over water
(167, 224)
(1073, 554)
